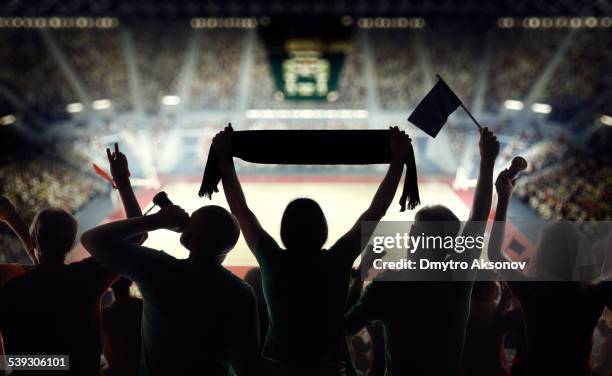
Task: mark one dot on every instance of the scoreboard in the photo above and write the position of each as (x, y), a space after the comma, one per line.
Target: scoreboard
(304, 65)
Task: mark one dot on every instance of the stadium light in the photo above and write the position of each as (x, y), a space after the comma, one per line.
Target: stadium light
(7, 119)
(514, 105)
(74, 107)
(306, 114)
(171, 100)
(101, 104)
(541, 108)
(606, 119)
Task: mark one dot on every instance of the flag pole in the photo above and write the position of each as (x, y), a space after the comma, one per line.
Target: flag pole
(462, 105)
(471, 117)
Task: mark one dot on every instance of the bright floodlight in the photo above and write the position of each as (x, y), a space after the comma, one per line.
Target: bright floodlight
(514, 105)
(101, 104)
(541, 108)
(307, 114)
(7, 119)
(171, 100)
(606, 119)
(74, 107)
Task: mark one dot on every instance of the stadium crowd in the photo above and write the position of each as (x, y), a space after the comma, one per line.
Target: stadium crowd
(54, 308)
(507, 61)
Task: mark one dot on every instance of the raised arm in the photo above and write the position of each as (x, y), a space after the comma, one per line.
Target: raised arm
(504, 187)
(483, 195)
(107, 242)
(121, 175)
(249, 224)
(481, 206)
(10, 216)
(400, 143)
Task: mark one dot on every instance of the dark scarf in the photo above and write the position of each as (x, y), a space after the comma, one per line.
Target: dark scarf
(314, 147)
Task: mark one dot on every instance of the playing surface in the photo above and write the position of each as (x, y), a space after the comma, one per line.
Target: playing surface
(342, 202)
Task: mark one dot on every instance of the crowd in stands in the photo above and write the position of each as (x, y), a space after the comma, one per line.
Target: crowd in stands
(580, 188)
(159, 57)
(456, 53)
(217, 72)
(399, 76)
(518, 57)
(570, 96)
(42, 182)
(511, 59)
(31, 74)
(99, 60)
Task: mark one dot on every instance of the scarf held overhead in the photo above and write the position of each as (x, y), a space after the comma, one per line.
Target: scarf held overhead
(314, 147)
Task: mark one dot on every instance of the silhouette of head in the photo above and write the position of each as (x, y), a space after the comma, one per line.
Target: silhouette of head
(53, 233)
(554, 255)
(211, 233)
(436, 220)
(121, 288)
(303, 226)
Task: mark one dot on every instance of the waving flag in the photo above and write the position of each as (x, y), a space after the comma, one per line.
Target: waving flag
(431, 113)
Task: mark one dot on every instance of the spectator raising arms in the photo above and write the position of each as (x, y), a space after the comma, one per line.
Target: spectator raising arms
(305, 286)
(425, 321)
(54, 308)
(560, 314)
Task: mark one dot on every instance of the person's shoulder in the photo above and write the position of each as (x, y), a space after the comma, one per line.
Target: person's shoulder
(267, 245)
(238, 292)
(234, 282)
(86, 263)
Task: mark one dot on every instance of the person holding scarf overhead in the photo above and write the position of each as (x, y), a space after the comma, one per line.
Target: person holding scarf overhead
(304, 285)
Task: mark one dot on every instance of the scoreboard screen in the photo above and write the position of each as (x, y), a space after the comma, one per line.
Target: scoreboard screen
(306, 66)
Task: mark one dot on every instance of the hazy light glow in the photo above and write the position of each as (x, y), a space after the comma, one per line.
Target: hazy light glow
(101, 104)
(514, 105)
(307, 114)
(7, 119)
(606, 119)
(541, 108)
(171, 100)
(74, 108)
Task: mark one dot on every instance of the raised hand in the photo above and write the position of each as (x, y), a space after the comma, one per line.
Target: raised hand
(172, 217)
(223, 143)
(400, 143)
(489, 146)
(504, 185)
(118, 166)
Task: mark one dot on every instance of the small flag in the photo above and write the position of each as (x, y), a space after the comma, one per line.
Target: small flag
(104, 175)
(431, 113)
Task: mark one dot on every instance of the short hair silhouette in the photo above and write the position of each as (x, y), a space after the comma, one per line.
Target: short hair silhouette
(121, 288)
(53, 233)
(303, 225)
(438, 213)
(212, 231)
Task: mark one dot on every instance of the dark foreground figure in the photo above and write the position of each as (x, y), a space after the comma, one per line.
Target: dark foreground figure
(304, 285)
